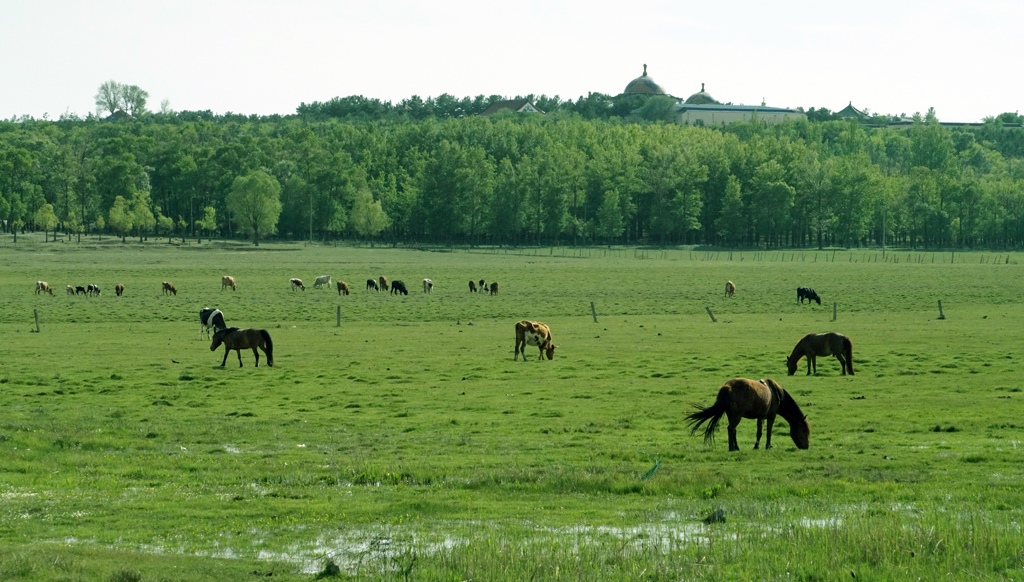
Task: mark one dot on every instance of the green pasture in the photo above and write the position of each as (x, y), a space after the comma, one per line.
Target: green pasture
(407, 444)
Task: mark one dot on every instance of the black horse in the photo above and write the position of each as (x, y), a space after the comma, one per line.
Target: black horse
(808, 294)
(399, 287)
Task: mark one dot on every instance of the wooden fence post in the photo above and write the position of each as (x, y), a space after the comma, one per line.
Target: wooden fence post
(593, 311)
(36, 313)
(711, 315)
(339, 316)
(941, 315)
(833, 311)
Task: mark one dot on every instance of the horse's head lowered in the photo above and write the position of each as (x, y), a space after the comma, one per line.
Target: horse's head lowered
(800, 432)
(791, 364)
(218, 338)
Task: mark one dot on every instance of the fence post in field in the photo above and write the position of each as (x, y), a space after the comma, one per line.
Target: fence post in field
(339, 316)
(35, 312)
(833, 311)
(941, 315)
(593, 311)
(711, 315)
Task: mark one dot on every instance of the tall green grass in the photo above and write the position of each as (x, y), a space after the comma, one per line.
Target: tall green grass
(407, 443)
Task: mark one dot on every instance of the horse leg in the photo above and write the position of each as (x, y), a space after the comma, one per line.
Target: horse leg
(225, 360)
(768, 434)
(842, 362)
(733, 445)
(257, 354)
(239, 352)
(757, 443)
(810, 362)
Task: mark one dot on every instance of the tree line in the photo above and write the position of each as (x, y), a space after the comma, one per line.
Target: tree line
(360, 169)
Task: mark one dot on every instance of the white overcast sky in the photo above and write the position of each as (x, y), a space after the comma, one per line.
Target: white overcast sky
(964, 58)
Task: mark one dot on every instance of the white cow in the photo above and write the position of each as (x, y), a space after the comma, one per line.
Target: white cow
(321, 281)
(428, 285)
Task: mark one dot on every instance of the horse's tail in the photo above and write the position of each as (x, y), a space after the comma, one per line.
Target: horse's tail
(269, 349)
(711, 413)
(848, 352)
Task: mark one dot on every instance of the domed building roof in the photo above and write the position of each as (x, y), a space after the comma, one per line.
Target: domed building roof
(643, 85)
(701, 98)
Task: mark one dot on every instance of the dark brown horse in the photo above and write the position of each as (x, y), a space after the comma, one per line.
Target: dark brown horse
(243, 339)
(822, 344)
(741, 398)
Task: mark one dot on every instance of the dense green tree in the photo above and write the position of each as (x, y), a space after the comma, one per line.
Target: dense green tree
(46, 219)
(368, 218)
(255, 203)
(121, 217)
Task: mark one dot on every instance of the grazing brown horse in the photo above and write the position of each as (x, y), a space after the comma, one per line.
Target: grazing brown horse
(822, 344)
(168, 287)
(494, 288)
(243, 339)
(119, 289)
(383, 281)
(741, 398)
(472, 286)
(730, 288)
(227, 281)
(342, 288)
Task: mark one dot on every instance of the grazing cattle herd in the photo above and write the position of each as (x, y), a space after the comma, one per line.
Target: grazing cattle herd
(738, 398)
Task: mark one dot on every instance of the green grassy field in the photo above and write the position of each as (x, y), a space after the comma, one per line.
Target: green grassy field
(407, 443)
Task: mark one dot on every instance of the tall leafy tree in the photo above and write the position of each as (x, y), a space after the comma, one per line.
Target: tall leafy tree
(368, 218)
(255, 203)
(121, 217)
(46, 219)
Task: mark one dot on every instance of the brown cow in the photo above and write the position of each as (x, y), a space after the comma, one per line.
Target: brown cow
(494, 288)
(119, 289)
(383, 283)
(533, 333)
(730, 288)
(472, 287)
(226, 282)
(296, 282)
(342, 288)
(169, 288)
(43, 287)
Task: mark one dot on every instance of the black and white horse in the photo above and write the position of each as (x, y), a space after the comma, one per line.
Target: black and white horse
(210, 318)
(808, 294)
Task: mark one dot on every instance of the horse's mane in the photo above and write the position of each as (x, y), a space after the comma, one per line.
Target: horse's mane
(788, 408)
